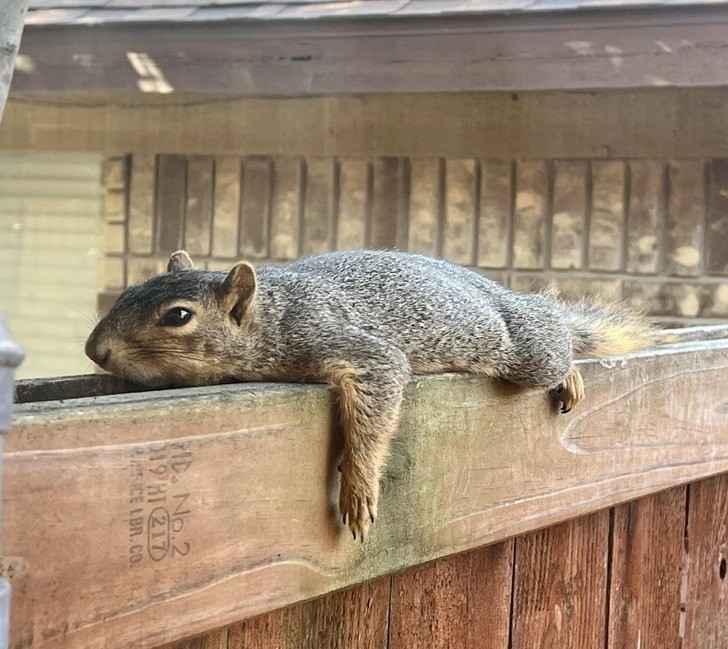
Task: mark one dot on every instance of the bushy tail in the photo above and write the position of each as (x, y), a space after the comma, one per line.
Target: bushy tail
(602, 329)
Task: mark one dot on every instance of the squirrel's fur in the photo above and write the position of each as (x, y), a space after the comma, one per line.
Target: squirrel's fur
(363, 322)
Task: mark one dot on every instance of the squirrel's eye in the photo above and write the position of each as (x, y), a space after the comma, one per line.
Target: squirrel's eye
(177, 317)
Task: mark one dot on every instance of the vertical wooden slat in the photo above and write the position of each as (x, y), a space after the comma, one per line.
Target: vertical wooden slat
(424, 205)
(706, 605)
(170, 208)
(529, 218)
(286, 207)
(198, 211)
(352, 212)
(569, 208)
(255, 208)
(356, 617)
(494, 222)
(717, 212)
(685, 217)
(462, 601)
(141, 203)
(386, 202)
(606, 216)
(560, 585)
(646, 567)
(458, 244)
(318, 207)
(217, 639)
(644, 217)
(227, 207)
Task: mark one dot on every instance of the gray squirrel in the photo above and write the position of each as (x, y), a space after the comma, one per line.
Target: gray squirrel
(363, 322)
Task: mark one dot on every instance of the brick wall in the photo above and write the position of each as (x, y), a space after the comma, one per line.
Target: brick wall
(654, 232)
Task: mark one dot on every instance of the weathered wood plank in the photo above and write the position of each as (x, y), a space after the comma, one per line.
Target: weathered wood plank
(706, 605)
(247, 476)
(646, 561)
(356, 617)
(560, 588)
(539, 50)
(655, 124)
(462, 601)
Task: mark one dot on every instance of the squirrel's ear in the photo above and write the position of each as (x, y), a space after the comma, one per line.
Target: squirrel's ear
(179, 260)
(238, 290)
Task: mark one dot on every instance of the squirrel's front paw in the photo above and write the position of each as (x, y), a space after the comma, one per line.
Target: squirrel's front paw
(357, 500)
(570, 390)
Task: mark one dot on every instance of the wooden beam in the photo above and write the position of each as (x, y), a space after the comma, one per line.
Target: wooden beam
(205, 506)
(575, 50)
(660, 123)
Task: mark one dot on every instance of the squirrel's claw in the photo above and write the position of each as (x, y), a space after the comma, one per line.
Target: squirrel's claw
(357, 502)
(571, 390)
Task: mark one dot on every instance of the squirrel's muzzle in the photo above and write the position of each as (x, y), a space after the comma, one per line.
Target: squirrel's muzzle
(98, 352)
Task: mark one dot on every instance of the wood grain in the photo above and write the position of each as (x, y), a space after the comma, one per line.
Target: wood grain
(356, 617)
(706, 602)
(245, 476)
(560, 585)
(461, 601)
(646, 566)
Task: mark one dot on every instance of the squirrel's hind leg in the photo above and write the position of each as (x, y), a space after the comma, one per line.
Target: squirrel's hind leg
(571, 390)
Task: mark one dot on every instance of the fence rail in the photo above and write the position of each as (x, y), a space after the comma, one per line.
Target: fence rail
(138, 519)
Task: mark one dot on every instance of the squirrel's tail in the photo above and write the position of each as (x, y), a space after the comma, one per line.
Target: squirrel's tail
(608, 329)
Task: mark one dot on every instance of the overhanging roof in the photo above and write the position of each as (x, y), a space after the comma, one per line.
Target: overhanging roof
(369, 46)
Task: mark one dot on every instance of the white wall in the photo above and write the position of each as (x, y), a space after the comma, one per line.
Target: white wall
(50, 207)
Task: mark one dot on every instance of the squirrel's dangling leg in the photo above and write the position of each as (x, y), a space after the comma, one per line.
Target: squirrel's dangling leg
(571, 390)
(370, 390)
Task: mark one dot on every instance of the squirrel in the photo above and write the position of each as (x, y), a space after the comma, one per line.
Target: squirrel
(363, 322)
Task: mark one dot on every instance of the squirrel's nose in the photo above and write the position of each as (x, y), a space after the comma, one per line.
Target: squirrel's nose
(99, 354)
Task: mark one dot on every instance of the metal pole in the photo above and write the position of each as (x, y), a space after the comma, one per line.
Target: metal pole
(11, 355)
(12, 18)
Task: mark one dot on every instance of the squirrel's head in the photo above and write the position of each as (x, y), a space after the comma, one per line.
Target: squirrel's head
(175, 328)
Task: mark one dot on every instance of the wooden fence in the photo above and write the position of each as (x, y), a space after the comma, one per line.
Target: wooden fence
(139, 519)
